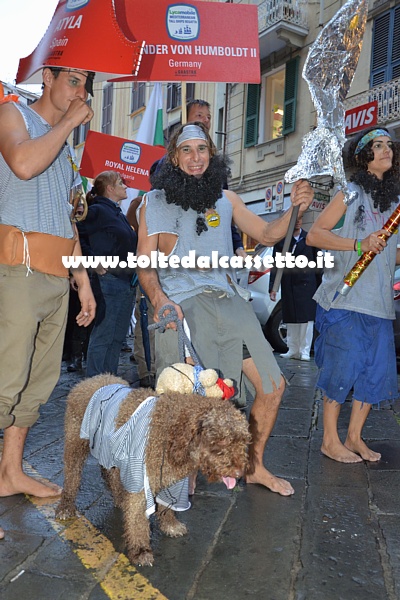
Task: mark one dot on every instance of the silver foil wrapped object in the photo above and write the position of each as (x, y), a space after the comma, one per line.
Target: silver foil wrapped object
(329, 70)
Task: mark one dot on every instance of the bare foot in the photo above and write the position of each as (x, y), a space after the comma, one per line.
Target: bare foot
(23, 484)
(1, 534)
(361, 448)
(273, 483)
(339, 452)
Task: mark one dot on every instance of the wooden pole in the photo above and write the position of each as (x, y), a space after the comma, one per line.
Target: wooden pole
(183, 101)
(286, 244)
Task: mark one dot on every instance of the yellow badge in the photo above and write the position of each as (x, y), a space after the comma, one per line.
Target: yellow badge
(213, 219)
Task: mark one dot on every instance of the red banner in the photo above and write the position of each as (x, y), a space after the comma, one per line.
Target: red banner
(360, 117)
(109, 153)
(83, 34)
(198, 41)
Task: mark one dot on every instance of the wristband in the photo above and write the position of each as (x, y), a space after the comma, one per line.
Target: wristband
(355, 245)
(359, 251)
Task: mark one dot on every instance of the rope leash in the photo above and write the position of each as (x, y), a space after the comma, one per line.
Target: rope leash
(183, 339)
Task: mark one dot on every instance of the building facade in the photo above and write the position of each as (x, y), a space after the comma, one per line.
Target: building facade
(261, 126)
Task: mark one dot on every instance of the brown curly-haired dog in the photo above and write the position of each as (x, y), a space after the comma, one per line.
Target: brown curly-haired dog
(187, 433)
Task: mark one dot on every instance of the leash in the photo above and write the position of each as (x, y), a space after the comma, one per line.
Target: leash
(183, 339)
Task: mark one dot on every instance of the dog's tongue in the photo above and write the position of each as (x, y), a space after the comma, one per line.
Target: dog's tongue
(230, 482)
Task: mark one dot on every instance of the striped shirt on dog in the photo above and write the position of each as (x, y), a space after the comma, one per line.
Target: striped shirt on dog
(125, 448)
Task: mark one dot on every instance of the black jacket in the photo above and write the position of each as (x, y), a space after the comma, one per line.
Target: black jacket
(106, 232)
(298, 285)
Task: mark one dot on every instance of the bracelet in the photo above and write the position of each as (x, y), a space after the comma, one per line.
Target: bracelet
(359, 251)
(355, 245)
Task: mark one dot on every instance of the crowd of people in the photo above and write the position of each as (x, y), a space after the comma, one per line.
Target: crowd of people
(189, 208)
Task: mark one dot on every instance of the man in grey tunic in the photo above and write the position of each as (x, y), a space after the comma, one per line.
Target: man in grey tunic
(189, 211)
(36, 176)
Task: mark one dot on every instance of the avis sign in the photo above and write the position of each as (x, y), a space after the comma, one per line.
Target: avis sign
(360, 117)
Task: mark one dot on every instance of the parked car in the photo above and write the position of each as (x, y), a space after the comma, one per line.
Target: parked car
(269, 313)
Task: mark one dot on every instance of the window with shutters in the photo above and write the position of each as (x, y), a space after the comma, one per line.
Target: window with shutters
(190, 91)
(385, 60)
(138, 93)
(274, 102)
(271, 106)
(174, 95)
(290, 101)
(252, 110)
(106, 119)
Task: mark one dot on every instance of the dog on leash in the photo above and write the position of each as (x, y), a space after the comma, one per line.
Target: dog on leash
(186, 433)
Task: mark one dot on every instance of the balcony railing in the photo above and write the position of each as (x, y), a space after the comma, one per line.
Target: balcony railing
(271, 12)
(388, 97)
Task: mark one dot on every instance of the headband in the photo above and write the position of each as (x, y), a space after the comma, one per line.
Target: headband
(368, 137)
(191, 132)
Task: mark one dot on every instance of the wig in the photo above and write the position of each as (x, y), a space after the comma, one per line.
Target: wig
(385, 191)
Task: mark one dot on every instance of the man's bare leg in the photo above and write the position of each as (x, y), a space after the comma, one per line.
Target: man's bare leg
(354, 441)
(332, 447)
(12, 478)
(1, 533)
(261, 423)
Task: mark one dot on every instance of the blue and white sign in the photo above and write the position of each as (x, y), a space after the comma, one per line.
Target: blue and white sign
(279, 195)
(268, 198)
(75, 4)
(130, 153)
(183, 22)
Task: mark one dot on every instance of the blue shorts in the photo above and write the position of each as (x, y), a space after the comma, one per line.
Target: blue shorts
(354, 350)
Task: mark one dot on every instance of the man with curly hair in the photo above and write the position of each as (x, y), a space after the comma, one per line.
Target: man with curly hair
(189, 211)
(355, 348)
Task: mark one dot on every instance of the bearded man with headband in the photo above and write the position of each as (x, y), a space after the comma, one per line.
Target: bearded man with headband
(188, 210)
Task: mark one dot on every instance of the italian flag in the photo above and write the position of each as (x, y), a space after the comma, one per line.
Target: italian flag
(150, 131)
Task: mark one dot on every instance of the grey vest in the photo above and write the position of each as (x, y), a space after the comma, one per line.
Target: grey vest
(372, 294)
(41, 203)
(180, 284)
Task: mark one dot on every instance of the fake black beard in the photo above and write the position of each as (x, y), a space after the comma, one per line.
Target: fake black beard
(186, 190)
(384, 192)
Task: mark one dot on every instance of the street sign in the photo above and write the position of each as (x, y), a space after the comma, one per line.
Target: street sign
(194, 41)
(279, 195)
(131, 159)
(68, 42)
(268, 198)
(319, 202)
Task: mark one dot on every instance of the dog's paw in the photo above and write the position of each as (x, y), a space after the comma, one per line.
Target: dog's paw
(177, 529)
(143, 559)
(63, 513)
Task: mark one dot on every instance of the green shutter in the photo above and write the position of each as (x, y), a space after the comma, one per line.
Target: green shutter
(289, 105)
(252, 110)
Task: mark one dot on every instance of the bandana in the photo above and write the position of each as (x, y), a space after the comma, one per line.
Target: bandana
(89, 77)
(371, 135)
(197, 385)
(227, 390)
(191, 132)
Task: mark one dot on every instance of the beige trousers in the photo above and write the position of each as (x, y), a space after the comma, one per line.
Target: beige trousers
(33, 315)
